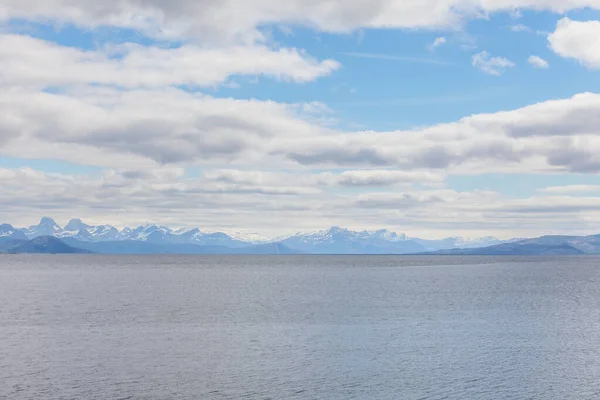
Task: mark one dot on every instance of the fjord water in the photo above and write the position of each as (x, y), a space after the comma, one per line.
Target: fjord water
(299, 327)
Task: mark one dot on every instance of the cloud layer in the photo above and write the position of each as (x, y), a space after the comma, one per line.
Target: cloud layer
(171, 126)
(231, 201)
(239, 20)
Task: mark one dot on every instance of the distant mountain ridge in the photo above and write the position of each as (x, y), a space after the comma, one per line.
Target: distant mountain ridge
(155, 239)
(544, 245)
(334, 240)
(42, 245)
(77, 229)
(9, 231)
(343, 241)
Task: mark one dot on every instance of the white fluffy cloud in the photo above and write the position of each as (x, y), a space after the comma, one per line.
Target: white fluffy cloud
(491, 65)
(226, 20)
(579, 40)
(29, 61)
(554, 135)
(538, 62)
(160, 125)
(439, 41)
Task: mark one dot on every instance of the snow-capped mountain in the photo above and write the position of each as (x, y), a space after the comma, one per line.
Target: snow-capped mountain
(163, 234)
(252, 237)
(485, 241)
(10, 232)
(334, 240)
(389, 236)
(336, 233)
(75, 229)
(46, 227)
(337, 240)
(103, 233)
(459, 243)
(147, 232)
(79, 230)
(75, 225)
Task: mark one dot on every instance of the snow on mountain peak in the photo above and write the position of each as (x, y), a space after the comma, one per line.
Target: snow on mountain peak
(183, 231)
(47, 222)
(6, 230)
(46, 227)
(324, 235)
(251, 237)
(390, 236)
(75, 225)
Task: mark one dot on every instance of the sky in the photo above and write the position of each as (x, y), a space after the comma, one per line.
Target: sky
(432, 118)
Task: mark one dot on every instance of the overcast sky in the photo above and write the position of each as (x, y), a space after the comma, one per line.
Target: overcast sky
(428, 117)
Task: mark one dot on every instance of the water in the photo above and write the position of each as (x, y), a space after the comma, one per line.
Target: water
(103, 327)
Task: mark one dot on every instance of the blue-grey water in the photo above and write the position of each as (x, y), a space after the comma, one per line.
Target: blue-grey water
(299, 327)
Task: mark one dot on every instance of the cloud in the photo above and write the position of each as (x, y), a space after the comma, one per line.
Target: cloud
(327, 152)
(538, 62)
(385, 177)
(554, 206)
(579, 40)
(239, 20)
(437, 43)
(491, 65)
(574, 118)
(571, 189)
(350, 178)
(426, 199)
(553, 135)
(28, 61)
(161, 125)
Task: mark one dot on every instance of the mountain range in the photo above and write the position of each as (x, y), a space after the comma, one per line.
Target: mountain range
(150, 238)
(544, 245)
(79, 237)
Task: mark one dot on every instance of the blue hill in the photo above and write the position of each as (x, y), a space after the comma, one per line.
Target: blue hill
(45, 245)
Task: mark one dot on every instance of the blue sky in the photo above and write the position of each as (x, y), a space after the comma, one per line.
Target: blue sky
(237, 117)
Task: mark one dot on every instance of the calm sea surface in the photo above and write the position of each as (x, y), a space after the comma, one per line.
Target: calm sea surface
(300, 327)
